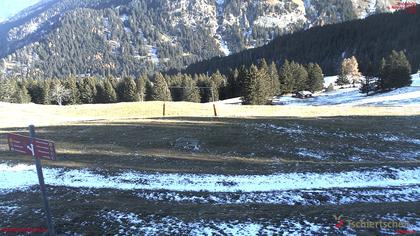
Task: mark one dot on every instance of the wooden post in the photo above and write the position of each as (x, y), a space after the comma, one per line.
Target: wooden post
(164, 108)
(214, 105)
(214, 109)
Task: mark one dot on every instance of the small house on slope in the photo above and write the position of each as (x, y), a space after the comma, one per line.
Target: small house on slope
(303, 94)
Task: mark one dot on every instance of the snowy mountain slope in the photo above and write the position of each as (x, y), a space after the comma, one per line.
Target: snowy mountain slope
(181, 31)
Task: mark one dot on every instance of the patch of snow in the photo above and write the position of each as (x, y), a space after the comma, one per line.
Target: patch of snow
(142, 37)
(394, 138)
(8, 210)
(412, 219)
(281, 21)
(153, 53)
(29, 27)
(308, 153)
(416, 80)
(22, 31)
(127, 30)
(224, 47)
(412, 140)
(330, 80)
(301, 134)
(371, 8)
(307, 3)
(356, 159)
(124, 17)
(293, 197)
(21, 177)
(131, 223)
(237, 101)
(353, 97)
(220, 2)
(289, 130)
(401, 96)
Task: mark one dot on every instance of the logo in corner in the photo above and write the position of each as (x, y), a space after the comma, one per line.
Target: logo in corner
(340, 221)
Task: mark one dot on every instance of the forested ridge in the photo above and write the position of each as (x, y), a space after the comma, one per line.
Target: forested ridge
(369, 40)
(60, 38)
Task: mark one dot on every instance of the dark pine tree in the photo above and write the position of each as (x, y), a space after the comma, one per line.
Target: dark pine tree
(299, 77)
(141, 84)
(109, 96)
(286, 77)
(160, 91)
(46, 92)
(254, 92)
(395, 73)
(21, 94)
(87, 88)
(217, 85)
(190, 91)
(274, 79)
(71, 85)
(315, 77)
(100, 92)
(127, 90)
(233, 87)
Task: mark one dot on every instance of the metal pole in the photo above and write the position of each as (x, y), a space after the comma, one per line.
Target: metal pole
(38, 164)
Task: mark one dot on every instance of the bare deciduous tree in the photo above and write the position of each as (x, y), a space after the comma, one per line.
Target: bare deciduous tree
(350, 69)
(59, 93)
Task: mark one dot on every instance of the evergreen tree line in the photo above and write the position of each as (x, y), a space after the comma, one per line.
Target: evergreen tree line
(256, 84)
(92, 90)
(394, 72)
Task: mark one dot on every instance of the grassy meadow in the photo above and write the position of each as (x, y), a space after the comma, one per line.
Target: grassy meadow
(243, 140)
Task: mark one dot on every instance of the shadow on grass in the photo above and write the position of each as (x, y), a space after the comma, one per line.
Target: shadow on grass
(228, 145)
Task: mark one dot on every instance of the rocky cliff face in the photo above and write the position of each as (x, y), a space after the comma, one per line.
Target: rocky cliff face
(129, 37)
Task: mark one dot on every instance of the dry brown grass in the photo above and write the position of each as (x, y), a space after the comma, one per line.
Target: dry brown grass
(18, 115)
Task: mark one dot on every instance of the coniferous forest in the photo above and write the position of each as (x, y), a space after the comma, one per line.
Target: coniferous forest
(256, 84)
(384, 47)
(120, 42)
(369, 40)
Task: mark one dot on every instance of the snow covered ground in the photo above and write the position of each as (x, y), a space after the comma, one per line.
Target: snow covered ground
(310, 197)
(351, 97)
(22, 176)
(231, 101)
(153, 225)
(174, 226)
(374, 185)
(313, 189)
